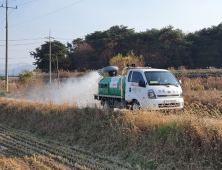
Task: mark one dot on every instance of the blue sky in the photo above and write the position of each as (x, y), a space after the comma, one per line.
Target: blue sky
(82, 17)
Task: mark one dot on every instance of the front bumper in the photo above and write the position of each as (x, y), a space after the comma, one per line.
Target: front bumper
(159, 104)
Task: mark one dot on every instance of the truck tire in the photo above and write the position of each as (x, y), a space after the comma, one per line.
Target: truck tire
(106, 105)
(135, 105)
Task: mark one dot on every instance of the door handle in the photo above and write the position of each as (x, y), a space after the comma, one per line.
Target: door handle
(129, 89)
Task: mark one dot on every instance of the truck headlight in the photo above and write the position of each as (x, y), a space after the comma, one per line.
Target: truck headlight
(151, 94)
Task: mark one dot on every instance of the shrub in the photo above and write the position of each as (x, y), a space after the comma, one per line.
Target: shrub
(2, 94)
(131, 58)
(2, 78)
(198, 87)
(200, 71)
(212, 70)
(37, 72)
(172, 70)
(183, 70)
(26, 76)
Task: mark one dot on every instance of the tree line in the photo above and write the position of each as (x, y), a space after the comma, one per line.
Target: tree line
(160, 48)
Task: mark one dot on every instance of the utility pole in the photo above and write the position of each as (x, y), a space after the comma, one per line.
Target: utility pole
(6, 53)
(50, 58)
(50, 62)
(57, 71)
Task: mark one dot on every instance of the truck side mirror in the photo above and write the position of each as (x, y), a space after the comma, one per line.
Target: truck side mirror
(180, 82)
(142, 83)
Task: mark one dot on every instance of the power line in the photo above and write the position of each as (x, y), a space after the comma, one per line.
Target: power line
(3, 2)
(25, 39)
(22, 44)
(8, 1)
(64, 38)
(46, 14)
(2, 29)
(18, 50)
(8, 15)
(26, 3)
(11, 1)
(36, 39)
(16, 58)
(13, 10)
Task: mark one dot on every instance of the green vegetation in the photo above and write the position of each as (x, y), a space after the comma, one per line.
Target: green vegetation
(160, 48)
(25, 76)
(2, 78)
(41, 55)
(198, 87)
(131, 58)
(2, 94)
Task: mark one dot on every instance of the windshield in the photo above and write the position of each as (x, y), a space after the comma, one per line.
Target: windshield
(160, 78)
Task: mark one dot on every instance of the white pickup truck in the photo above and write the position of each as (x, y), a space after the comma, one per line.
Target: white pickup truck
(145, 88)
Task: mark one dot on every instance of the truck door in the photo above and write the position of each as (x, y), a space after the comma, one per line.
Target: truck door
(133, 90)
(128, 88)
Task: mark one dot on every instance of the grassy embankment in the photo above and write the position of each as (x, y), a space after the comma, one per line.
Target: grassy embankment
(190, 138)
(183, 72)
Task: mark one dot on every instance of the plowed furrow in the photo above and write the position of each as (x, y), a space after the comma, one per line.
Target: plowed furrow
(23, 143)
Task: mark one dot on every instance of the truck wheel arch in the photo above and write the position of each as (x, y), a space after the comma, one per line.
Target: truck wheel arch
(135, 105)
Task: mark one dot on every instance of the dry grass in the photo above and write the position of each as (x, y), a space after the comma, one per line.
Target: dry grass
(212, 70)
(183, 70)
(63, 74)
(209, 83)
(11, 163)
(181, 139)
(190, 138)
(172, 70)
(35, 162)
(200, 71)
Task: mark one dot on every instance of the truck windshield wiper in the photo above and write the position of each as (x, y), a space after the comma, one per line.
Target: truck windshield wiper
(170, 84)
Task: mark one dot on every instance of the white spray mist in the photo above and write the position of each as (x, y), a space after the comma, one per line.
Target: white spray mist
(79, 90)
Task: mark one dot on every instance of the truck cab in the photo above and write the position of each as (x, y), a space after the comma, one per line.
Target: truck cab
(153, 89)
(141, 88)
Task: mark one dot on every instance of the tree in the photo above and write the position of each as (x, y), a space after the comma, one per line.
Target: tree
(80, 57)
(108, 43)
(41, 55)
(72, 46)
(206, 48)
(131, 58)
(162, 48)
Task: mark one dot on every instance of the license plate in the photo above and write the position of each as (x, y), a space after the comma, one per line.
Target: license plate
(170, 101)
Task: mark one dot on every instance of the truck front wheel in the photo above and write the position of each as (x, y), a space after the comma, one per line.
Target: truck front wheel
(135, 105)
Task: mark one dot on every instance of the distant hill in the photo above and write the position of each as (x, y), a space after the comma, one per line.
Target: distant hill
(15, 69)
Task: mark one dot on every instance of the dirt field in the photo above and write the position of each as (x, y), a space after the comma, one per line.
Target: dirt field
(22, 150)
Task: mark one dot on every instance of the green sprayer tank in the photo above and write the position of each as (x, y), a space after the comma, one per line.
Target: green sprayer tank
(111, 86)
